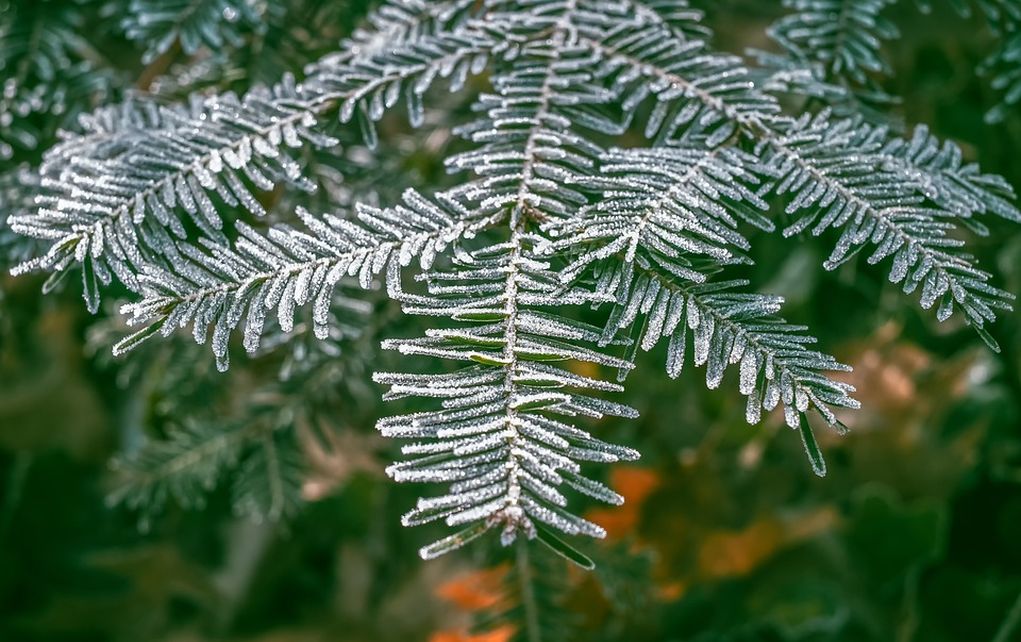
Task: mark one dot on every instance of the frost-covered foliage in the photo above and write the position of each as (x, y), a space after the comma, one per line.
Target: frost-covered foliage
(833, 50)
(160, 24)
(49, 70)
(615, 161)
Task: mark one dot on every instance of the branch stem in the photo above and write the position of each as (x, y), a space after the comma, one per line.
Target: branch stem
(525, 585)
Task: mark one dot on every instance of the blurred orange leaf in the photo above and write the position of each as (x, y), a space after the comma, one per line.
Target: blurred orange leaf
(671, 591)
(501, 634)
(735, 553)
(635, 485)
(726, 554)
(475, 590)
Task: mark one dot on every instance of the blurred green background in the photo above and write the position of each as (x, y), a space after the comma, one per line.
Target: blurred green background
(915, 535)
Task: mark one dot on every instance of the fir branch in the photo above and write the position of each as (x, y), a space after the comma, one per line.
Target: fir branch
(507, 254)
(727, 328)
(835, 184)
(494, 440)
(49, 70)
(112, 211)
(182, 467)
(690, 83)
(681, 200)
(684, 20)
(289, 268)
(160, 24)
(186, 465)
(943, 176)
(843, 35)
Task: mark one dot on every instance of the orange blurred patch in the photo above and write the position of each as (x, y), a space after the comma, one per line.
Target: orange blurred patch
(475, 590)
(671, 591)
(501, 634)
(726, 554)
(635, 485)
(811, 524)
(729, 553)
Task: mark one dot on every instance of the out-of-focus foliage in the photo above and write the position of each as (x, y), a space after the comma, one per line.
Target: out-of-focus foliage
(51, 70)
(724, 537)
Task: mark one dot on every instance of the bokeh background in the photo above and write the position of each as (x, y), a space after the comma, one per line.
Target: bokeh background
(915, 534)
